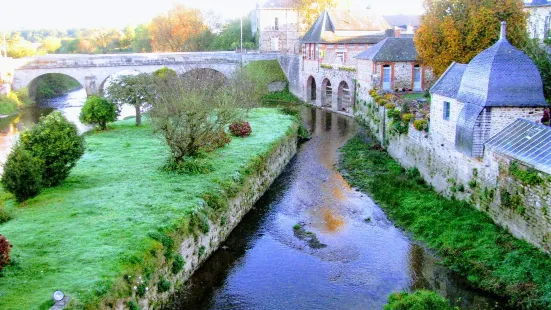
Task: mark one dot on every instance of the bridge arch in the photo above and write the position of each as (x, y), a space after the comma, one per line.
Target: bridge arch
(56, 82)
(311, 90)
(326, 94)
(344, 98)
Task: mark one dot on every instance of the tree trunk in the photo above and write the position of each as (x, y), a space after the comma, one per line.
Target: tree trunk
(138, 116)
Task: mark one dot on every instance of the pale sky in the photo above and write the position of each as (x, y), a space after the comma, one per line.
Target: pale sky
(36, 14)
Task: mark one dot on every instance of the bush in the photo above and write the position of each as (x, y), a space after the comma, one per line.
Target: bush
(240, 129)
(98, 111)
(4, 215)
(420, 300)
(407, 117)
(8, 104)
(421, 125)
(165, 73)
(56, 142)
(5, 248)
(22, 174)
(390, 106)
(163, 285)
(177, 264)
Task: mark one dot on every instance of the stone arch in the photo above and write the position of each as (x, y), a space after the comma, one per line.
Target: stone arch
(326, 94)
(105, 80)
(33, 83)
(344, 98)
(311, 89)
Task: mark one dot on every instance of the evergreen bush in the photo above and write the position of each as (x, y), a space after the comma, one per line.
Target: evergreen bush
(22, 175)
(56, 142)
(98, 111)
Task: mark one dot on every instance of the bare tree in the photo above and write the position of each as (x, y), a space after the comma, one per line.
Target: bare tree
(192, 111)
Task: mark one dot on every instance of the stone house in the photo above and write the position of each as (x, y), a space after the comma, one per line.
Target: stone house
(276, 24)
(539, 20)
(329, 47)
(392, 65)
(472, 103)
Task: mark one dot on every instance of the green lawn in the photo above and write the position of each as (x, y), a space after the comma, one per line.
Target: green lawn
(82, 236)
(468, 240)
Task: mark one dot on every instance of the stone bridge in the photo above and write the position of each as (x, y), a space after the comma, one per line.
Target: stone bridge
(91, 71)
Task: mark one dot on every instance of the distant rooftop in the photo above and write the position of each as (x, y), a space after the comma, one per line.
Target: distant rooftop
(403, 20)
(345, 26)
(278, 4)
(535, 3)
(525, 141)
(391, 49)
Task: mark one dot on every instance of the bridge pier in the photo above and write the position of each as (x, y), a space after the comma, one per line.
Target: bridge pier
(91, 85)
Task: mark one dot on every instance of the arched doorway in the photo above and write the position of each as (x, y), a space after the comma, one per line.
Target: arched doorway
(311, 90)
(326, 94)
(344, 98)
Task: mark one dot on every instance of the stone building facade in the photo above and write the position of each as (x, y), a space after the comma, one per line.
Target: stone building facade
(276, 24)
(539, 20)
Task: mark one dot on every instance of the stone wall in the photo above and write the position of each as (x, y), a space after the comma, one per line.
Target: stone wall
(329, 53)
(281, 38)
(290, 64)
(523, 209)
(438, 125)
(402, 74)
(195, 249)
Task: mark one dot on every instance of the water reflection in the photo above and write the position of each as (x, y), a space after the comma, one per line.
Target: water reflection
(263, 265)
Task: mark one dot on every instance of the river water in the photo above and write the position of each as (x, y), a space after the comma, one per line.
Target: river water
(359, 258)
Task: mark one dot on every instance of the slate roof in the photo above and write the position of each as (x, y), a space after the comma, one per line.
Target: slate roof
(278, 4)
(345, 26)
(448, 84)
(502, 76)
(538, 3)
(391, 49)
(525, 141)
(403, 20)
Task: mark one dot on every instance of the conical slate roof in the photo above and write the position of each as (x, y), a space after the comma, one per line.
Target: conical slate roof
(502, 76)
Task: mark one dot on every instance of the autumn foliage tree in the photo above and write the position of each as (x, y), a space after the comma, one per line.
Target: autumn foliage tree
(310, 10)
(458, 30)
(172, 32)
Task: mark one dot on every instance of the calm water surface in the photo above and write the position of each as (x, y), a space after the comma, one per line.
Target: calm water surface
(265, 265)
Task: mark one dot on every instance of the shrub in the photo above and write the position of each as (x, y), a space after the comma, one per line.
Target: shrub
(390, 106)
(5, 248)
(8, 104)
(165, 72)
(394, 114)
(421, 125)
(4, 215)
(22, 174)
(133, 305)
(177, 264)
(407, 117)
(240, 129)
(98, 111)
(163, 285)
(56, 142)
(529, 176)
(290, 110)
(419, 300)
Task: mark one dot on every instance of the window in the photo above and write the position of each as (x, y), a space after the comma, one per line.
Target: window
(340, 57)
(276, 24)
(546, 27)
(446, 111)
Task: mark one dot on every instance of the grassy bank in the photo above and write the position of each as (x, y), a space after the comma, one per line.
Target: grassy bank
(467, 240)
(118, 212)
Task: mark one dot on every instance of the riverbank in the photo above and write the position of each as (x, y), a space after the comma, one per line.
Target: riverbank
(111, 234)
(467, 240)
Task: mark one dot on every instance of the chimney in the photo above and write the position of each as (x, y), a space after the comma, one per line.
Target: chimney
(389, 33)
(503, 33)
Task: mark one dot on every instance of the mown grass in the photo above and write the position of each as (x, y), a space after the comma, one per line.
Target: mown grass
(466, 239)
(266, 72)
(83, 236)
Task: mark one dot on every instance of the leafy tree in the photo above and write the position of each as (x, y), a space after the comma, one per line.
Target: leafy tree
(106, 40)
(50, 45)
(127, 39)
(142, 39)
(310, 10)
(56, 142)
(458, 30)
(18, 47)
(22, 174)
(171, 32)
(136, 90)
(230, 36)
(98, 111)
(542, 59)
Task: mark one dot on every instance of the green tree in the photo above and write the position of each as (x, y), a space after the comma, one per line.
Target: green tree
(136, 90)
(127, 39)
(50, 45)
(98, 111)
(56, 142)
(458, 30)
(142, 40)
(542, 59)
(22, 174)
(18, 47)
(230, 36)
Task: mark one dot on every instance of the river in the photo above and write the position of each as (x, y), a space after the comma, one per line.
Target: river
(270, 260)
(360, 259)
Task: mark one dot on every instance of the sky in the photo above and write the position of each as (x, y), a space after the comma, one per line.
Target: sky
(63, 14)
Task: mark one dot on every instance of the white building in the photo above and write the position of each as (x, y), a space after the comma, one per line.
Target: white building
(539, 20)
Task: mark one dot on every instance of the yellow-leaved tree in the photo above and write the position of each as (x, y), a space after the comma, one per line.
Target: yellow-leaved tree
(458, 30)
